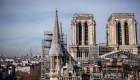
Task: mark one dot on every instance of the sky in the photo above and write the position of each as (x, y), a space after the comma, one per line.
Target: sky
(22, 22)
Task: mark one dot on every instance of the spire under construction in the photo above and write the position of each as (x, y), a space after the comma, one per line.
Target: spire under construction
(55, 46)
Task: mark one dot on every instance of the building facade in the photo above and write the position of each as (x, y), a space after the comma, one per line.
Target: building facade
(117, 60)
(121, 32)
(83, 36)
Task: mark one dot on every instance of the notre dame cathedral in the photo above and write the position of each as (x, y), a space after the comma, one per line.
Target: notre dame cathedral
(117, 59)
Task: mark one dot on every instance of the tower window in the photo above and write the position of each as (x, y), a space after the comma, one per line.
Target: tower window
(119, 33)
(86, 53)
(79, 32)
(88, 70)
(126, 33)
(78, 54)
(86, 33)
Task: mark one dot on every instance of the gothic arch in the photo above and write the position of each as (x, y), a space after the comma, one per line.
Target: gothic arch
(126, 33)
(119, 33)
(86, 32)
(79, 33)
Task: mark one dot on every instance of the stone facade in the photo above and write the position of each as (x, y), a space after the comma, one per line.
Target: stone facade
(55, 54)
(83, 36)
(121, 32)
(89, 61)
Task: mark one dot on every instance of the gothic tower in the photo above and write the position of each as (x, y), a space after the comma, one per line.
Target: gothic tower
(83, 36)
(55, 53)
(122, 32)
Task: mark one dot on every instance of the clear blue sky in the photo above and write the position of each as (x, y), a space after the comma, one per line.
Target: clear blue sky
(22, 22)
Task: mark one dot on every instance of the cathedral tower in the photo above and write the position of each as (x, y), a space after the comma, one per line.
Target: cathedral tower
(55, 53)
(122, 32)
(83, 36)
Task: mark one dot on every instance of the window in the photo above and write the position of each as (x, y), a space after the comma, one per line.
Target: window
(126, 33)
(88, 70)
(86, 33)
(119, 33)
(78, 55)
(79, 33)
(86, 53)
(55, 62)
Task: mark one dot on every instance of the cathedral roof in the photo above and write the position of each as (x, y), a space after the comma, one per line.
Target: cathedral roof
(55, 49)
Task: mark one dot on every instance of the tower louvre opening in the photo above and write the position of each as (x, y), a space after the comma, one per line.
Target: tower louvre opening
(119, 33)
(126, 33)
(86, 33)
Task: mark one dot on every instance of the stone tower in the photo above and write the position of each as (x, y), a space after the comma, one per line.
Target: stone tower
(55, 53)
(83, 36)
(122, 32)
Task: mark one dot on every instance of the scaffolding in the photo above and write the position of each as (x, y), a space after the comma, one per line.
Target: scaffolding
(46, 45)
(96, 68)
(120, 69)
